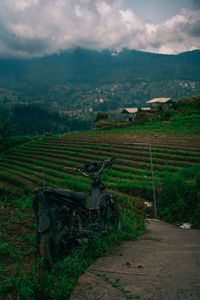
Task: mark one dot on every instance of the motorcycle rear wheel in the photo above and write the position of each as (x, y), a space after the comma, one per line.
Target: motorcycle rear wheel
(47, 249)
(54, 249)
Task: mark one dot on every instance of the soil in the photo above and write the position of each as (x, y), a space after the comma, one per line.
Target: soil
(163, 264)
(138, 159)
(121, 148)
(28, 182)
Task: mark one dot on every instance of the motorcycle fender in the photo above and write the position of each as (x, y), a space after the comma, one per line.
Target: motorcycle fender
(44, 220)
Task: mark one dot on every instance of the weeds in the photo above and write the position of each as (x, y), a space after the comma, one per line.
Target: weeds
(29, 279)
(179, 200)
(116, 284)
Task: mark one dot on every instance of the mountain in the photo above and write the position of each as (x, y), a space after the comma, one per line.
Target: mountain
(85, 79)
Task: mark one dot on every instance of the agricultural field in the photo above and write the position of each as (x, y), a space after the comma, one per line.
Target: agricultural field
(43, 160)
(175, 145)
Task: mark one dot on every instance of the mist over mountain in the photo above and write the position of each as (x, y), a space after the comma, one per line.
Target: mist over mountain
(80, 78)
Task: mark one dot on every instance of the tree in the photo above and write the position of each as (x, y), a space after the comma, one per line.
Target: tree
(5, 132)
(101, 116)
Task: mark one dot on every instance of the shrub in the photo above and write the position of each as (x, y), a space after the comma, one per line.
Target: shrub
(143, 117)
(101, 116)
(5, 132)
(187, 105)
(179, 200)
(110, 124)
(168, 114)
(171, 202)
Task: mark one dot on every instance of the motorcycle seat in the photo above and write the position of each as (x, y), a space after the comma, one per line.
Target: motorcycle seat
(80, 197)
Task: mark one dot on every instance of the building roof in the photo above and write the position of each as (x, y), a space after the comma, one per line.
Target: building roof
(145, 108)
(133, 110)
(129, 110)
(161, 100)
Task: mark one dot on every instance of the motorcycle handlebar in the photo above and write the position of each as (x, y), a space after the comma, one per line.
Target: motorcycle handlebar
(109, 161)
(70, 168)
(113, 158)
(104, 164)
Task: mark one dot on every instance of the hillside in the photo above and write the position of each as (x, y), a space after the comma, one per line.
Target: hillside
(171, 134)
(79, 78)
(41, 161)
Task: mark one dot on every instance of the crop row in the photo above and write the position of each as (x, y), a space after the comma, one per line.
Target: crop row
(131, 175)
(88, 158)
(172, 142)
(80, 184)
(119, 147)
(17, 181)
(110, 176)
(136, 151)
(48, 163)
(103, 154)
(139, 154)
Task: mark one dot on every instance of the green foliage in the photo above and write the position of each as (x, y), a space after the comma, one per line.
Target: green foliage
(26, 284)
(101, 116)
(5, 132)
(8, 250)
(32, 280)
(171, 203)
(142, 118)
(179, 200)
(110, 124)
(188, 105)
(35, 119)
(168, 114)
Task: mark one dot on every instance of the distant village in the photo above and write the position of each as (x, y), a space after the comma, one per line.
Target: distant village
(153, 105)
(75, 101)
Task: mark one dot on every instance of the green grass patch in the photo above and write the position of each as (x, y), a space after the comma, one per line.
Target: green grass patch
(179, 200)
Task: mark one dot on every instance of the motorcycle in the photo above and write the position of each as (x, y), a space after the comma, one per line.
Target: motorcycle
(64, 220)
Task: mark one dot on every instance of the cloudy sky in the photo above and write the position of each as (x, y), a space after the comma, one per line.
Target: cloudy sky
(31, 28)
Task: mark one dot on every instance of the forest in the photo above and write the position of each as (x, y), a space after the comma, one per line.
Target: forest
(80, 78)
(35, 119)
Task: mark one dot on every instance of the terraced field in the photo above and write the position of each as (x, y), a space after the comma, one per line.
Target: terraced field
(43, 161)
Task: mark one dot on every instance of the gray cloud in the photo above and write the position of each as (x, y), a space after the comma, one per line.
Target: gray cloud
(196, 3)
(39, 27)
(23, 45)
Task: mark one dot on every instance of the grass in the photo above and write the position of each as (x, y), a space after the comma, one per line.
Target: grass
(23, 275)
(178, 125)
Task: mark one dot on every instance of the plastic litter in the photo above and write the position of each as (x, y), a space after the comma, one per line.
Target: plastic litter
(148, 204)
(186, 226)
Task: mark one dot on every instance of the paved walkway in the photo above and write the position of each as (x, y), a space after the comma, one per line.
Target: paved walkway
(163, 264)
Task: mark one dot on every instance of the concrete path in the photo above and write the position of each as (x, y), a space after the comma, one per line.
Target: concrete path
(163, 264)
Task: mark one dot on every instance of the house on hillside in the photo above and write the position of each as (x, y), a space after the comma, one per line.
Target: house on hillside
(159, 104)
(131, 112)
